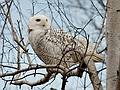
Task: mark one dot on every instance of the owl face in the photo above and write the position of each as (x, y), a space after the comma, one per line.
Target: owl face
(40, 22)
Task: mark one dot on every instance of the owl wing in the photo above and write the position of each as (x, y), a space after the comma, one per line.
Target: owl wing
(64, 47)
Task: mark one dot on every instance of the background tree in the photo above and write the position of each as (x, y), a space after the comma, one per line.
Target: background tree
(19, 63)
(113, 42)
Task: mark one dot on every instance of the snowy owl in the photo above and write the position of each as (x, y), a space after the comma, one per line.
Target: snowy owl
(56, 46)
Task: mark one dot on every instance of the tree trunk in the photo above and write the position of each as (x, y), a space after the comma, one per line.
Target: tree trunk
(113, 42)
(93, 73)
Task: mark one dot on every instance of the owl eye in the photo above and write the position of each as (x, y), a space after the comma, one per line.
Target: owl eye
(38, 20)
(46, 20)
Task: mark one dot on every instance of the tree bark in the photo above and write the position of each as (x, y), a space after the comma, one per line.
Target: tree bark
(113, 42)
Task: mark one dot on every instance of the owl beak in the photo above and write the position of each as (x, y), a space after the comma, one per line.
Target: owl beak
(29, 30)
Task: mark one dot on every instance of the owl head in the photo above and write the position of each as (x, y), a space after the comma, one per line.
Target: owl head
(39, 22)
